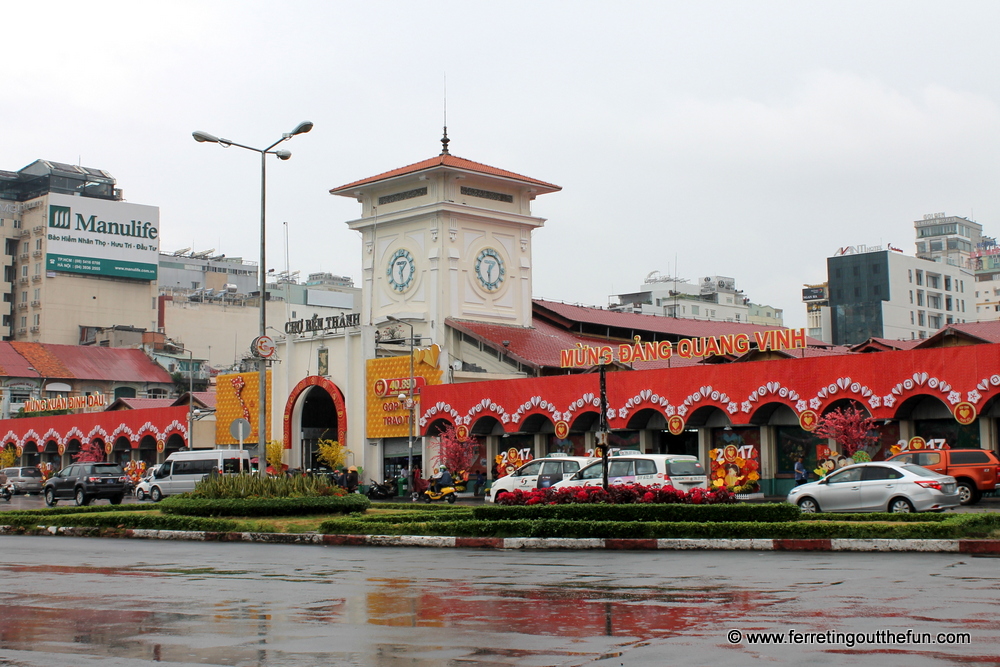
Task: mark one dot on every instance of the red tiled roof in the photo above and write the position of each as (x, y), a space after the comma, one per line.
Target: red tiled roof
(141, 403)
(206, 398)
(442, 161)
(884, 344)
(988, 332)
(539, 346)
(80, 362)
(684, 328)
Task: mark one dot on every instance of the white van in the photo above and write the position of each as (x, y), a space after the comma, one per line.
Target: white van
(182, 470)
(681, 472)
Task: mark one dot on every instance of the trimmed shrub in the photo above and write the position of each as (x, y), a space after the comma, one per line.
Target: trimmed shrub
(262, 507)
(616, 495)
(254, 486)
(73, 509)
(765, 512)
(124, 520)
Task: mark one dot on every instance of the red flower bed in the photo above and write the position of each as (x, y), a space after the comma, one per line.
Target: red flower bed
(617, 495)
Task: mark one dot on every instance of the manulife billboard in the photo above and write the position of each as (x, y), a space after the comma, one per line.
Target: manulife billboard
(102, 238)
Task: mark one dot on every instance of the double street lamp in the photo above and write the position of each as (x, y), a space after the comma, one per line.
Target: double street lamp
(200, 136)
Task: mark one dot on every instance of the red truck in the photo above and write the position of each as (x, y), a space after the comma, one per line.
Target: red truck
(976, 470)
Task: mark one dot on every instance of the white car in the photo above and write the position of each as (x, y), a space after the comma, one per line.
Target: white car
(679, 471)
(141, 490)
(539, 473)
(879, 486)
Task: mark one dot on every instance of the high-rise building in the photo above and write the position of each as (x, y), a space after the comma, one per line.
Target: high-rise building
(76, 255)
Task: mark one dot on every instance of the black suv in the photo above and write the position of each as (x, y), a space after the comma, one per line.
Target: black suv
(84, 482)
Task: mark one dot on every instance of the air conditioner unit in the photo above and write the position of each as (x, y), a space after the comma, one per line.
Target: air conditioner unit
(24, 257)
(24, 279)
(36, 253)
(22, 331)
(22, 306)
(36, 278)
(36, 304)
(35, 329)
(38, 229)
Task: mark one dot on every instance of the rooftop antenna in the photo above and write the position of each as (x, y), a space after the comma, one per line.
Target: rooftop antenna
(445, 140)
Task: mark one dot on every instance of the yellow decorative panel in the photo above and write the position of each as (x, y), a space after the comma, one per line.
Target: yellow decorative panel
(236, 396)
(389, 377)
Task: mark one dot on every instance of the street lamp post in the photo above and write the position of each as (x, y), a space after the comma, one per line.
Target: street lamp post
(200, 136)
(190, 399)
(410, 406)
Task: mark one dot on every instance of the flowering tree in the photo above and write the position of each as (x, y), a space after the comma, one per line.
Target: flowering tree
(92, 452)
(851, 427)
(332, 453)
(455, 455)
(275, 452)
(8, 456)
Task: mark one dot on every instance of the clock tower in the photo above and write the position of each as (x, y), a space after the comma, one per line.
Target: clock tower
(446, 238)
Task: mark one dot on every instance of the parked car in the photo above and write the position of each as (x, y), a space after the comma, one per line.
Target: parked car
(679, 471)
(976, 470)
(539, 473)
(182, 470)
(882, 486)
(84, 482)
(141, 490)
(24, 479)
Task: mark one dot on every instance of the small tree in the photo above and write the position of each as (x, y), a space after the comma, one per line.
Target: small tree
(332, 453)
(8, 456)
(92, 452)
(275, 451)
(851, 427)
(455, 455)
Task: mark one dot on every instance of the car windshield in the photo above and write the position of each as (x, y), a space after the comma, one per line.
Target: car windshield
(108, 469)
(917, 470)
(30, 472)
(686, 468)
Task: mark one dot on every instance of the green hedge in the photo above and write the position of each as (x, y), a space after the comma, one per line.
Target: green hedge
(964, 525)
(73, 509)
(763, 512)
(925, 517)
(264, 507)
(123, 520)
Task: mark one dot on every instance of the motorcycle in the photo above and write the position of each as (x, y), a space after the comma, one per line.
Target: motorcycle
(447, 493)
(7, 491)
(382, 491)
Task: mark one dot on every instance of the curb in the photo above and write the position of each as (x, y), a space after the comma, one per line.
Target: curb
(969, 546)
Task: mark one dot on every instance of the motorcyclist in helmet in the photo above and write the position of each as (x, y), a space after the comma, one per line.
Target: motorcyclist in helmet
(441, 479)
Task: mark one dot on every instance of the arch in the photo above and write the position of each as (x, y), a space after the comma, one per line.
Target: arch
(147, 449)
(174, 443)
(124, 392)
(73, 446)
(708, 416)
(647, 418)
(438, 426)
(538, 423)
(585, 421)
(922, 406)
(774, 414)
(842, 403)
(335, 394)
(121, 452)
(487, 425)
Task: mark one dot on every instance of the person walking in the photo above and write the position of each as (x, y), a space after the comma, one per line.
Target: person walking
(801, 475)
(351, 481)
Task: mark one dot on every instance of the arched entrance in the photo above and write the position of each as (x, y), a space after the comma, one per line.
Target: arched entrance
(315, 411)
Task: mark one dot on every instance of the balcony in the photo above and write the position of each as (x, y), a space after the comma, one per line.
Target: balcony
(22, 331)
(37, 253)
(24, 257)
(24, 280)
(37, 278)
(38, 229)
(36, 304)
(24, 232)
(35, 329)
(22, 306)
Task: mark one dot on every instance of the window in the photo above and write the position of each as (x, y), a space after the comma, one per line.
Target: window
(920, 319)
(947, 283)
(857, 291)
(934, 301)
(911, 296)
(530, 469)
(881, 472)
(38, 294)
(24, 270)
(38, 244)
(36, 320)
(38, 268)
(645, 467)
(947, 303)
(909, 273)
(933, 281)
(934, 321)
(621, 469)
(695, 310)
(846, 476)
(856, 270)
(876, 268)
(876, 290)
(920, 277)
(920, 297)
(912, 318)
(24, 297)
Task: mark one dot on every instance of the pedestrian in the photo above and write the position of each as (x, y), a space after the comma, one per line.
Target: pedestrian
(801, 476)
(351, 481)
(337, 477)
(480, 483)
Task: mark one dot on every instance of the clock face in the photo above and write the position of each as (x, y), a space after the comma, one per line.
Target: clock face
(490, 269)
(400, 270)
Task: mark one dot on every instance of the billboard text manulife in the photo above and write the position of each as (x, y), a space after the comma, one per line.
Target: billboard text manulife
(59, 217)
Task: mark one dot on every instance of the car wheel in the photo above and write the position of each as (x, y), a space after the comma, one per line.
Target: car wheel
(50, 498)
(81, 498)
(809, 506)
(451, 499)
(116, 500)
(900, 506)
(967, 493)
(155, 494)
(140, 494)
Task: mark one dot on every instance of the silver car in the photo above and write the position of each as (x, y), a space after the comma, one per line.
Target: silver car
(879, 486)
(25, 479)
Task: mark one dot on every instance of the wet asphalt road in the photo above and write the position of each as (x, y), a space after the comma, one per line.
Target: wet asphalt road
(89, 601)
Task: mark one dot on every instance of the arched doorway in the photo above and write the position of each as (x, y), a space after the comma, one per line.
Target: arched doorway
(315, 411)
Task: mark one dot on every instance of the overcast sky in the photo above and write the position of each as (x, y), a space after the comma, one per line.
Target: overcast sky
(744, 139)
